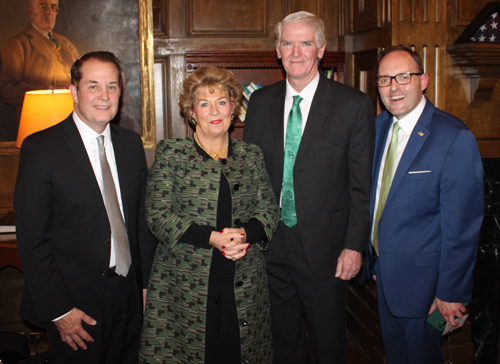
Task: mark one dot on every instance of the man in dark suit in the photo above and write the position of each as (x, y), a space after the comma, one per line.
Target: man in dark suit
(427, 209)
(324, 195)
(82, 238)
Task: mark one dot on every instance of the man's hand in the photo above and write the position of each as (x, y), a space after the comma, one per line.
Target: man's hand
(449, 310)
(348, 264)
(71, 330)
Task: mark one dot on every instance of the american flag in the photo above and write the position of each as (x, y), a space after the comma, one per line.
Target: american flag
(488, 33)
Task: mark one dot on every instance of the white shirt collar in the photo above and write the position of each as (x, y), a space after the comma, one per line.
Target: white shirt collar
(307, 93)
(42, 32)
(408, 122)
(88, 134)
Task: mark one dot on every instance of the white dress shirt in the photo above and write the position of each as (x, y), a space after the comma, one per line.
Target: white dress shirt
(407, 124)
(89, 137)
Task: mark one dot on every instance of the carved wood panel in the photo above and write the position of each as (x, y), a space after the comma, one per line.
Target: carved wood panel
(244, 17)
(366, 15)
(466, 10)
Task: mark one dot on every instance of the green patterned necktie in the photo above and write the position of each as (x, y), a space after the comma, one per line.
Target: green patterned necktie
(387, 176)
(293, 136)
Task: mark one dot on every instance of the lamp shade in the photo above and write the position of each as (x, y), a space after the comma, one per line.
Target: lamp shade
(42, 109)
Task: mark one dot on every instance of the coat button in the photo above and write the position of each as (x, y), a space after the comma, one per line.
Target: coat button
(107, 240)
(237, 221)
(223, 161)
(104, 272)
(239, 284)
(236, 187)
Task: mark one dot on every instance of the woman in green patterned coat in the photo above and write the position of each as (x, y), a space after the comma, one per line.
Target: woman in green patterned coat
(210, 204)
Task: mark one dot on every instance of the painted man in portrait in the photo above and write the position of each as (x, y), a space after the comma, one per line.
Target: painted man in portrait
(36, 58)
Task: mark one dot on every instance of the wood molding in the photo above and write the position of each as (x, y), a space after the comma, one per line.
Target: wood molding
(244, 59)
(480, 62)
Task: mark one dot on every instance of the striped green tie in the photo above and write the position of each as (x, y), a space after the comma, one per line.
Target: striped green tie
(293, 137)
(387, 176)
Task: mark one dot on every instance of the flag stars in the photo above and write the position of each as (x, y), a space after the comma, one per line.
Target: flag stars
(482, 38)
(492, 38)
(494, 25)
(494, 15)
(483, 28)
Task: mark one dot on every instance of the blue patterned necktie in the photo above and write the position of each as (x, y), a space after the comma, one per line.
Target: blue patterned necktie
(293, 137)
(387, 177)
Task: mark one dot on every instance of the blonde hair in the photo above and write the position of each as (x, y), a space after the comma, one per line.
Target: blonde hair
(209, 78)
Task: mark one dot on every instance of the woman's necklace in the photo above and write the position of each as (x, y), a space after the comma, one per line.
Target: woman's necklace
(212, 155)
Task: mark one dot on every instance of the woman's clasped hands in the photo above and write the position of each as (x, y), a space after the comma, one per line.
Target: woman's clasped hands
(231, 242)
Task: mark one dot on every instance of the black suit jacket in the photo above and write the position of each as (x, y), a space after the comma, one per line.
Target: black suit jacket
(332, 173)
(63, 233)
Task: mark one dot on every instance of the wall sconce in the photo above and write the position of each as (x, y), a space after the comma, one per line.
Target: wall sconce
(42, 109)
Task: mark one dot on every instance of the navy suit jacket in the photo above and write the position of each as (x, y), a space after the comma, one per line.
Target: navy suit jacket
(63, 233)
(429, 229)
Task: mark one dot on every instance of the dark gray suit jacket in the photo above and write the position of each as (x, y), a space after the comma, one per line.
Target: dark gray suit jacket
(63, 233)
(332, 173)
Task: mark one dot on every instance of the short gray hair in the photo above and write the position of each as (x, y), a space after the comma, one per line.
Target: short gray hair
(306, 18)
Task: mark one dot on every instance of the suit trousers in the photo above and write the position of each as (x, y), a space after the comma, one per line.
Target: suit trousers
(117, 332)
(307, 314)
(407, 340)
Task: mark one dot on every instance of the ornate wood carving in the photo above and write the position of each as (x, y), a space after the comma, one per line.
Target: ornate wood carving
(480, 62)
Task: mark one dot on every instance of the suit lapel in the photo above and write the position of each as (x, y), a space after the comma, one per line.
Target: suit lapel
(378, 155)
(277, 110)
(417, 139)
(120, 149)
(75, 145)
(321, 107)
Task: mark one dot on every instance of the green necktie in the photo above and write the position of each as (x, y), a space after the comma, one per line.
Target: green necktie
(293, 136)
(387, 176)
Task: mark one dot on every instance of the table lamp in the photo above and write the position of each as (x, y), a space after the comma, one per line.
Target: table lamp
(42, 109)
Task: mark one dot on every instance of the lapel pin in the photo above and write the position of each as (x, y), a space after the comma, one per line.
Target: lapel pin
(420, 133)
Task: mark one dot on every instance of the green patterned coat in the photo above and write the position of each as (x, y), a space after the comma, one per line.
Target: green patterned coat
(183, 189)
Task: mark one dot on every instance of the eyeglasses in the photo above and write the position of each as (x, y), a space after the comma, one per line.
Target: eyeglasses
(401, 79)
(45, 7)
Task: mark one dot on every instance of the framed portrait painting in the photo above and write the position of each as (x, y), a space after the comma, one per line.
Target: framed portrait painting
(123, 27)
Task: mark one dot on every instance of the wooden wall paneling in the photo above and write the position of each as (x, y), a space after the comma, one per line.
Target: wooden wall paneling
(9, 165)
(422, 26)
(366, 15)
(175, 10)
(364, 64)
(245, 17)
(330, 13)
(159, 18)
(465, 10)
(312, 6)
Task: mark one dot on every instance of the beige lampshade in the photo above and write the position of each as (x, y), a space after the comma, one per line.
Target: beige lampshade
(42, 109)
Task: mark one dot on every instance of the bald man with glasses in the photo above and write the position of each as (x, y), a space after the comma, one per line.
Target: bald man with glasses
(426, 209)
(34, 59)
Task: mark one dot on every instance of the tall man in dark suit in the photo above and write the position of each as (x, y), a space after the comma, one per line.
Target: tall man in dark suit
(324, 194)
(427, 209)
(82, 238)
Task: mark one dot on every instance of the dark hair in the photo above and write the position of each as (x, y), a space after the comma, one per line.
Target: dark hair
(209, 78)
(413, 54)
(102, 56)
